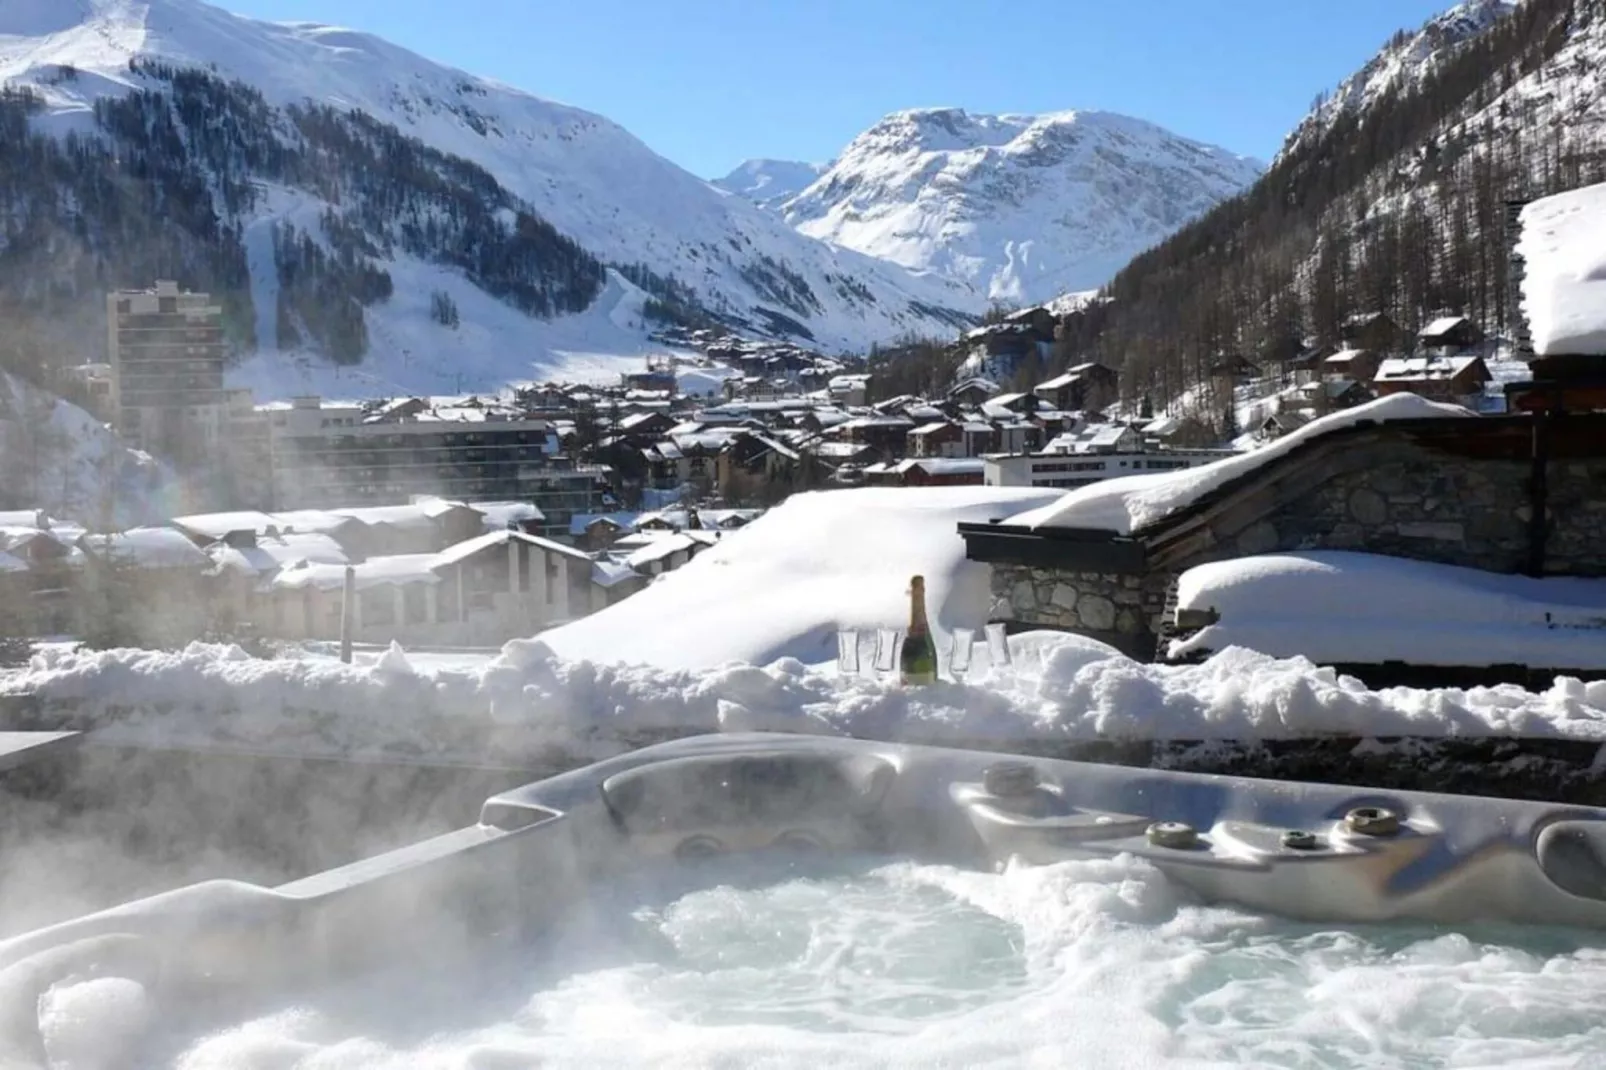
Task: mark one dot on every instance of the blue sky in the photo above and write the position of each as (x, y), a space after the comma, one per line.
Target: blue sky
(709, 83)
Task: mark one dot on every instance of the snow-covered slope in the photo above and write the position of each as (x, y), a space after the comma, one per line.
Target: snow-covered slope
(770, 183)
(1022, 208)
(593, 181)
(1403, 62)
(59, 458)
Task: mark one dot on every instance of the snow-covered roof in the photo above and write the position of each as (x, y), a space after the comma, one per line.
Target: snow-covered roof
(501, 514)
(12, 564)
(374, 572)
(1563, 247)
(637, 419)
(312, 520)
(149, 548)
(271, 554)
(1060, 381)
(1355, 608)
(469, 547)
(932, 428)
(778, 446)
(217, 525)
(659, 549)
(605, 573)
(1440, 326)
(1422, 369)
(859, 422)
(1091, 438)
(1344, 357)
(1161, 426)
(419, 514)
(579, 522)
(1127, 503)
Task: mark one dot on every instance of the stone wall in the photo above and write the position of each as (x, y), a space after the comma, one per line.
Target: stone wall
(1123, 611)
(1404, 502)
(1576, 542)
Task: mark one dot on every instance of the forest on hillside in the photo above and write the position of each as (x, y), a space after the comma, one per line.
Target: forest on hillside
(1399, 208)
(172, 173)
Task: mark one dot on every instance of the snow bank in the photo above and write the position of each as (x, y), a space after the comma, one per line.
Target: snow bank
(782, 585)
(527, 704)
(1126, 504)
(1354, 608)
(1563, 246)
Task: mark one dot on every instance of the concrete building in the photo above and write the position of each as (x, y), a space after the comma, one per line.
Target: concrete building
(166, 352)
(1072, 470)
(329, 454)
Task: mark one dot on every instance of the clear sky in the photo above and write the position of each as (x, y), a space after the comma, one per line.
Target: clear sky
(709, 83)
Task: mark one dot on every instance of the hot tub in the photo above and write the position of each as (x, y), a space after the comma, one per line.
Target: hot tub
(801, 901)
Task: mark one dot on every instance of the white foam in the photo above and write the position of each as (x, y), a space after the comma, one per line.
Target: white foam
(1098, 963)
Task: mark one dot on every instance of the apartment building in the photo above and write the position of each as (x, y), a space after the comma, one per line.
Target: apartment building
(166, 351)
(332, 453)
(1093, 453)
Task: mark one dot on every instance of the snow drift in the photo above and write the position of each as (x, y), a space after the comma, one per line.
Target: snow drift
(528, 705)
(783, 585)
(1365, 609)
(1563, 246)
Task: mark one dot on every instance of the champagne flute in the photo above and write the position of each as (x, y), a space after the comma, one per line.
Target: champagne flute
(960, 645)
(847, 651)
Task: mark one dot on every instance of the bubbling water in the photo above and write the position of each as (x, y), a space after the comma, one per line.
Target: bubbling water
(1089, 963)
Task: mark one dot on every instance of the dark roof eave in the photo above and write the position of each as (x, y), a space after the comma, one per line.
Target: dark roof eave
(1070, 549)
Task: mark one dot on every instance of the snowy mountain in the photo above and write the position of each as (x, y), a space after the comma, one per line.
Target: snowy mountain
(1022, 208)
(1402, 64)
(327, 183)
(771, 183)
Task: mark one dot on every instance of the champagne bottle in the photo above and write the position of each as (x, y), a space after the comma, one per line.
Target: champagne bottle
(917, 661)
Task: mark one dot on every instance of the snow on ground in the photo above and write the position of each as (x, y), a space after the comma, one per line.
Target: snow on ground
(1129, 503)
(782, 585)
(1354, 608)
(1563, 246)
(527, 704)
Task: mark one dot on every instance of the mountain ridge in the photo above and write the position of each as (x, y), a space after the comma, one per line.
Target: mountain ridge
(579, 173)
(1021, 207)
